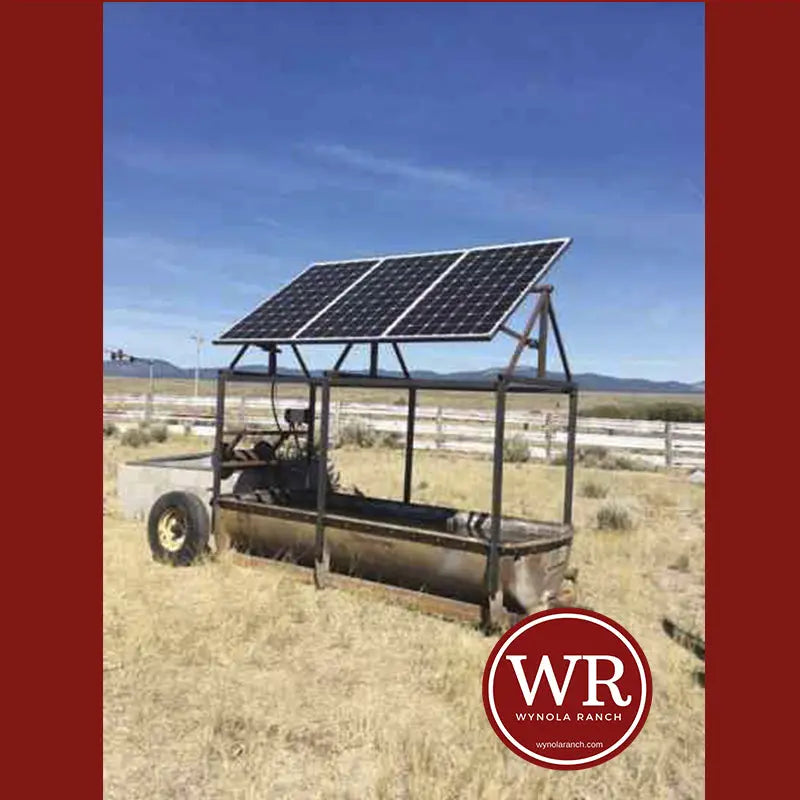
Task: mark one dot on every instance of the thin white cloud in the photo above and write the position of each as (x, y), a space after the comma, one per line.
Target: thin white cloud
(141, 253)
(400, 168)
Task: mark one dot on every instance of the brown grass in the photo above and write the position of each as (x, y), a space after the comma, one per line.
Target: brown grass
(184, 387)
(228, 682)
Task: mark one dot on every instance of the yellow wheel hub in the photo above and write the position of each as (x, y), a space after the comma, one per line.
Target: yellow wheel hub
(172, 530)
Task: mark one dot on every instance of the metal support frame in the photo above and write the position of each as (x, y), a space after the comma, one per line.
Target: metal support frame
(217, 457)
(544, 316)
(506, 383)
(569, 476)
(272, 369)
(373, 360)
(299, 357)
(322, 558)
(400, 360)
(312, 413)
(533, 343)
(524, 337)
(342, 357)
(242, 350)
(409, 465)
(560, 343)
(493, 600)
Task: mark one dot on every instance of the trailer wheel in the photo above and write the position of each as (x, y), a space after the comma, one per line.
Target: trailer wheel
(178, 528)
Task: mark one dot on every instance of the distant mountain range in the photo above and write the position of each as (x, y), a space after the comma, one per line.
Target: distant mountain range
(589, 381)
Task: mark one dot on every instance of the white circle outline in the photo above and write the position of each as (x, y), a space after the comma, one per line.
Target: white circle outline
(588, 759)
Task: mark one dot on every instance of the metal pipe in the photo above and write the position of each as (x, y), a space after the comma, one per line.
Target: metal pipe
(296, 351)
(518, 336)
(321, 557)
(526, 334)
(216, 461)
(560, 343)
(518, 384)
(412, 413)
(312, 409)
(373, 360)
(541, 366)
(342, 357)
(400, 360)
(569, 478)
(493, 555)
(242, 350)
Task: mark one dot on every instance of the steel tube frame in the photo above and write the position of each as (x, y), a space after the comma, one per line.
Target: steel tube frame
(217, 456)
(409, 466)
(322, 554)
(569, 476)
(504, 384)
(493, 603)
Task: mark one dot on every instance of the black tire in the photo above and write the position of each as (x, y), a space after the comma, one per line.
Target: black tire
(178, 528)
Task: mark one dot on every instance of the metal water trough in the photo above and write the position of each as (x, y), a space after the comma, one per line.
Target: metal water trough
(287, 510)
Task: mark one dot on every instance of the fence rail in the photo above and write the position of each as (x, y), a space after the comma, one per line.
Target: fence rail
(680, 444)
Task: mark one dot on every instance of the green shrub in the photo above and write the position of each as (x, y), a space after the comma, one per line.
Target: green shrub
(614, 518)
(665, 410)
(135, 437)
(516, 450)
(591, 456)
(594, 490)
(599, 458)
(626, 462)
(159, 433)
(110, 429)
(392, 440)
(358, 433)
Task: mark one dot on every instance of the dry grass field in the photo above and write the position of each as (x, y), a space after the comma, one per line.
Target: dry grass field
(223, 681)
(181, 387)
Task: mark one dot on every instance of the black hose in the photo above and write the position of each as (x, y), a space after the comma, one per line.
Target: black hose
(274, 412)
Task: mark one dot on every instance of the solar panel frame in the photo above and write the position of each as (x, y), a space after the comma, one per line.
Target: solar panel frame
(386, 335)
(565, 242)
(458, 255)
(223, 339)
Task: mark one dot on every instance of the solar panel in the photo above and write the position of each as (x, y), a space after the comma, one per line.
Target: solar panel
(457, 294)
(280, 316)
(378, 300)
(478, 294)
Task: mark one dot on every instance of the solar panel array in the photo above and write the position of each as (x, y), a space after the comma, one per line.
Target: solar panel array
(478, 293)
(280, 317)
(461, 294)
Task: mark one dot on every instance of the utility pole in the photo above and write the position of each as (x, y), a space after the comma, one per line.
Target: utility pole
(198, 339)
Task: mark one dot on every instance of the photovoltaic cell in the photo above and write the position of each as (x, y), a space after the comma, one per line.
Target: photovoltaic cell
(379, 299)
(474, 298)
(283, 314)
(460, 294)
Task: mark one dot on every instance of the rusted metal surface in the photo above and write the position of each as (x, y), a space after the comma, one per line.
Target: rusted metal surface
(497, 565)
(437, 563)
(420, 601)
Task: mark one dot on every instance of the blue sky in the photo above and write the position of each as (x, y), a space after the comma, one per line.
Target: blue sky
(244, 141)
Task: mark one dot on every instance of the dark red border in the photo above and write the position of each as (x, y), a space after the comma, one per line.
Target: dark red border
(751, 313)
(52, 291)
(590, 615)
(52, 300)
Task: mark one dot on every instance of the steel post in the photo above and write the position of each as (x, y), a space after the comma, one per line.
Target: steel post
(409, 470)
(493, 602)
(569, 478)
(322, 554)
(218, 457)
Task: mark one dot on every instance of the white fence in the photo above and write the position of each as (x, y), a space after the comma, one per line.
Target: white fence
(680, 444)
